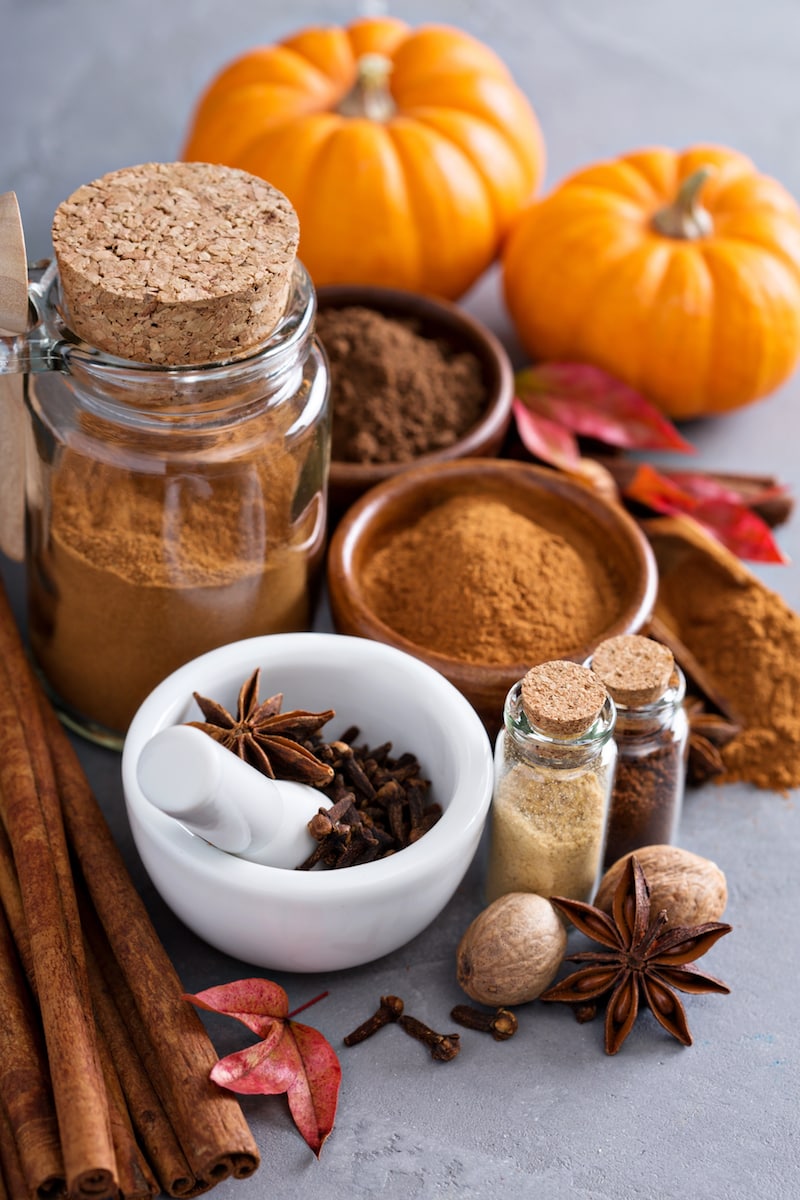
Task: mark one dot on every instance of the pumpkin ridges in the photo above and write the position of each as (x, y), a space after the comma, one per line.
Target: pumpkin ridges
(445, 191)
(753, 303)
(480, 142)
(488, 100)
(357, 152)
(435, 50)
(615, 327)
(681, 349)
(376, 35)
(328, 50)
(771, 233)
(543, 256)
(241, 119)
(658, 167)
(271, 65)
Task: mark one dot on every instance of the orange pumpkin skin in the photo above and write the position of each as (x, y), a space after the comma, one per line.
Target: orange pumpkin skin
(419, 198)
(701, 324)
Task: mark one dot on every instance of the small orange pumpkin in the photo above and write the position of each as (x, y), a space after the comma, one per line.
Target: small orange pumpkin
(405, 153)
(677, 272)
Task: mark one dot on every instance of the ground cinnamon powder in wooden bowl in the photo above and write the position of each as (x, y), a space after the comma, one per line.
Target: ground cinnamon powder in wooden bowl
(497, 587)
(484, 567)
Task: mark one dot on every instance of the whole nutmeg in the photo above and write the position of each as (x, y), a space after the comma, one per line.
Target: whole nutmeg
(512, 950)
(692, 889)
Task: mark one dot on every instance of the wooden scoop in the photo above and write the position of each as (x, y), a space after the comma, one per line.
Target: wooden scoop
(673, 539)
(13, 320)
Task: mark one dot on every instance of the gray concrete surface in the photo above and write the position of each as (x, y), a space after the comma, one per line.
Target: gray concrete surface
(88, 86)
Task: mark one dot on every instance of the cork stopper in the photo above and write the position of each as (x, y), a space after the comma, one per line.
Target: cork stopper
(635, 670)
(175, 263)
(562, 699)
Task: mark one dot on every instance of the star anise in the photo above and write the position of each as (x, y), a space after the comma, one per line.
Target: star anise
(264, 736)
(708, 733)
(643, 961)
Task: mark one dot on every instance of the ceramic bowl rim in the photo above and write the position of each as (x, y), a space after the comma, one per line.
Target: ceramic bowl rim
(363, 511)
(496, 415)
(464, 814)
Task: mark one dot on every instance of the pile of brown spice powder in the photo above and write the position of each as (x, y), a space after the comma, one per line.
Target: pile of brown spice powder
(477, 581)
(395, 393)
(748, 640)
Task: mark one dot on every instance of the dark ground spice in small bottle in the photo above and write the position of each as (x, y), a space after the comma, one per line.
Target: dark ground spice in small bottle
(652, 738)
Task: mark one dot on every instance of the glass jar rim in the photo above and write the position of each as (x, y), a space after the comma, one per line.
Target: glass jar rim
(525, 732)
(63, 344)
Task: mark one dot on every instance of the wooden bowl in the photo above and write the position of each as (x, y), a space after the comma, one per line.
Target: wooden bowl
(558, 504)
(437, 318)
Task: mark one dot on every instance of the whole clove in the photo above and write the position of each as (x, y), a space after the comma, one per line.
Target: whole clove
(501, 1024)
(390, 1009)
(380, 803)
(443, 1046)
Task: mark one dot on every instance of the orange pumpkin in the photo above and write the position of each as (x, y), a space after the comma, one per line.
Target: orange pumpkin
(405, 153)
(677, 272)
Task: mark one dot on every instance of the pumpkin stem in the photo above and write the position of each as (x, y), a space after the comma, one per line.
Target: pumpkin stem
(370, 96)
(686, 218)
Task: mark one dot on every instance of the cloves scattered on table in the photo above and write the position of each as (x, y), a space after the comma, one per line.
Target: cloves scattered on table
(443, 1046)
(391, 1008)
(501, 1024)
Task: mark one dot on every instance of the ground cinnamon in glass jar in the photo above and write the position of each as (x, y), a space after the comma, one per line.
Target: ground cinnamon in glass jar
(475, 580)
(178, 498)
(395, 392)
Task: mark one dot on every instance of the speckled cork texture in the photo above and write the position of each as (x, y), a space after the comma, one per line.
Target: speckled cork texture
(562, 699)
(635, 670)
(175, 263)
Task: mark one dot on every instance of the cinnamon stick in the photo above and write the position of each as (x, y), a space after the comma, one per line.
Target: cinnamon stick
(25, 1091)
(147, 1113)
(40, 774)
(764, 494)
(40, 857)
(13, 1183)
(136, 1179)
(208, 1122)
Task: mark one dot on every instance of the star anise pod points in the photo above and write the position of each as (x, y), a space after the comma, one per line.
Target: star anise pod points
(642, 961)
(264, 737)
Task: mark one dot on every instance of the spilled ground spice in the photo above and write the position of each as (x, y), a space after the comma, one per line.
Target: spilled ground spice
(395, 393)
(477, 581)
(748, 640)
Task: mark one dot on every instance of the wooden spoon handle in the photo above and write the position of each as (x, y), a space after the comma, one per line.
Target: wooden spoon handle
(14, 320)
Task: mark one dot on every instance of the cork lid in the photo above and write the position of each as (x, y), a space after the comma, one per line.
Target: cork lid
(175, 263)
(562, 699)
(636, 670)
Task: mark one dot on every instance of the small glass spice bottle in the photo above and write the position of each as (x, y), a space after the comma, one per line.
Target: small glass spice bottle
(554, 765)
(652, 736)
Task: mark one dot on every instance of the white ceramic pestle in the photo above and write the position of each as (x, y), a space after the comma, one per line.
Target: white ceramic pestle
(216, 795)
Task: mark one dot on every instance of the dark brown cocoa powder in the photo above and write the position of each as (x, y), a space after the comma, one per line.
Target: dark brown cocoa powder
(395, 392)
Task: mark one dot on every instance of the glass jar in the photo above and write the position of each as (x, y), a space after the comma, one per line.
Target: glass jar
(652, 736)
(551, 796)
(169, 509)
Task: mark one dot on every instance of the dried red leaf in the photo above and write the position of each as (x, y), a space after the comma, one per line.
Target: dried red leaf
(546, 439)
(594, 404)
(736, 526)
(291, 1057)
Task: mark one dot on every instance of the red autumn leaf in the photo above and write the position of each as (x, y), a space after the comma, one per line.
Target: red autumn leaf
(594, 404)
(742, 531)
(546, 439)
(290, 1058)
